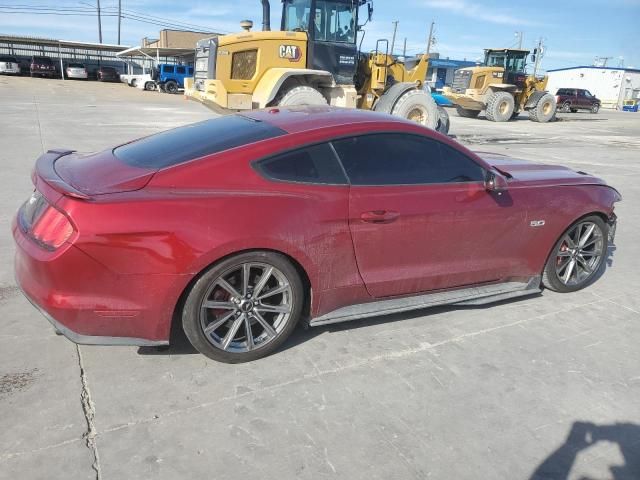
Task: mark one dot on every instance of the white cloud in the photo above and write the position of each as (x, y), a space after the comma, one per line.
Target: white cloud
(479, 12)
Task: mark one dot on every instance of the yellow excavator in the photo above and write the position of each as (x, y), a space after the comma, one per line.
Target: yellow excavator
(501, 87)
(313, 59)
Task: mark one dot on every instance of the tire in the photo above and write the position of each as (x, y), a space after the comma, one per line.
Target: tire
(574, 110)
(237, 314)
(465, 112)
(149, 86)
(418, 106)
(555, 272)
(500, 107)
(443, 121)
(544, 110)
(134, 83)
(171, 87)
(595, 108)
(302, 95)
(566, 107)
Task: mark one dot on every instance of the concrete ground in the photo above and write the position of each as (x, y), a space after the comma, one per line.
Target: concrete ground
(545, 386)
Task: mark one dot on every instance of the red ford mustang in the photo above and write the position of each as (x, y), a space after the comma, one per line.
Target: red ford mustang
(241, 226)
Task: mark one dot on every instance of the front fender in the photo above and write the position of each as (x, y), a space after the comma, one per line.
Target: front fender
(271, 82)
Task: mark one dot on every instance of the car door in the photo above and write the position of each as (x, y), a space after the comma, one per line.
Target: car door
(581, 99)
(421, 219)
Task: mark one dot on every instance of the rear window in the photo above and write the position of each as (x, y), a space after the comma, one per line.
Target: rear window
(167, 69)
(193, 141)
(76, 65)
(8, 59)
(42, 59)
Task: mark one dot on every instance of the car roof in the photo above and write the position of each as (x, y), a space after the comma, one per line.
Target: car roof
(301, 118)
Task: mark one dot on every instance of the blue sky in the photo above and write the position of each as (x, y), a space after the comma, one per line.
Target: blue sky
(574, 31)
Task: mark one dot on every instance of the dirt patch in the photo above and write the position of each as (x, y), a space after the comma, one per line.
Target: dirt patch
(16, 382)
(8, 292)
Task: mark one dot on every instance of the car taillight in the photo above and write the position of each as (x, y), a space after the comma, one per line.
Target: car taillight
(557, 99)
(49, 227)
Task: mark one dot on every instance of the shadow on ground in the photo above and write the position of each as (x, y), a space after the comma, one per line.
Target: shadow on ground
(583, 435)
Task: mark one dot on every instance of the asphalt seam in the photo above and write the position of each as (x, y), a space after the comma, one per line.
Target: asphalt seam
(35, 103)
(89, 411)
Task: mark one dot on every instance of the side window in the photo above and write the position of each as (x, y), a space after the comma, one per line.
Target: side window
(167, 69)
(315, 164)
(399, 159)
(180, 70)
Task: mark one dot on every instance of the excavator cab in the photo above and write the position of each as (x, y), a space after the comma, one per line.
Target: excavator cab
(331, 30)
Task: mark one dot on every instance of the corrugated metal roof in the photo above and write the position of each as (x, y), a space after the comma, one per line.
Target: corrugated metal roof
(56, 42)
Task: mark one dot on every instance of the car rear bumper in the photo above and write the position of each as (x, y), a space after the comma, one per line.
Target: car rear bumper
(88, 303)
(81, 76)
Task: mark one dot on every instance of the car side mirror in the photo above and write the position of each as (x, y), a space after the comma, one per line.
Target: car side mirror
(494, 182)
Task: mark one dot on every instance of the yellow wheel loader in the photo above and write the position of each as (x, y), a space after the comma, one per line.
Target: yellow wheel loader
(502, 88)
(313, 59)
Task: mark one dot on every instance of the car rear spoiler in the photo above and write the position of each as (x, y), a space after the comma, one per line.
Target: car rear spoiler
(45, 170)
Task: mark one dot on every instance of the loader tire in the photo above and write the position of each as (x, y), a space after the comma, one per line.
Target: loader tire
(418, 106)
(302, 95)
(544, 110)
(467, 113)
(443, 121)
(500, 107)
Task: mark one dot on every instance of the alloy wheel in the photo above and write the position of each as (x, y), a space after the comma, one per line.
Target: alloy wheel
(246, 307)
(580, 253)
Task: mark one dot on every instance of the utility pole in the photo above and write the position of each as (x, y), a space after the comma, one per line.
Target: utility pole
(520, 36)
(99, 23)
(539, 53)
(119, 18)
(393, 39)
(430, 37)
(404, 48)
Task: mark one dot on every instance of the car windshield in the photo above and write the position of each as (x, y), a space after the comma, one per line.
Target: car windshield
(335, 21)
(194, 141)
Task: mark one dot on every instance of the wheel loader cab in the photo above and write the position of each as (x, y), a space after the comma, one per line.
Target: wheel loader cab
(331, 31)
(513, 62)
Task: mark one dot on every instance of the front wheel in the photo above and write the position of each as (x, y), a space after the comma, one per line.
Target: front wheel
(417, 106)
(595, 108)
(302, 95)
(500, 107)
(467, 113)
(244, 307)
(578, 255)
(544, 110)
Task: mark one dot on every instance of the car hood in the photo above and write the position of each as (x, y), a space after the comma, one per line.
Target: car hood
(520, 170)
(100, 173)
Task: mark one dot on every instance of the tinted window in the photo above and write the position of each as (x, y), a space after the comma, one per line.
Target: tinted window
(8, 59)
(316, 164)
(107, 69)
(42, 59)
(180, 70)
(399, 159)
(167, 69)
(194, 141)
(76, 65)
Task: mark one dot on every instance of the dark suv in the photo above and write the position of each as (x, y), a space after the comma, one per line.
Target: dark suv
(42, 67)
(574, 99)
(107, 74)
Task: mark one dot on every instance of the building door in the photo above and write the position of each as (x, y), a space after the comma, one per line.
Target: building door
(441, 77)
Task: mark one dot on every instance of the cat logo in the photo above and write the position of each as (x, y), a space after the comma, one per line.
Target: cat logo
(292, 52)
(497, 74)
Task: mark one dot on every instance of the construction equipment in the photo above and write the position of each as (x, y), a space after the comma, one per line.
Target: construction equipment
(501, 87)
(314, 59)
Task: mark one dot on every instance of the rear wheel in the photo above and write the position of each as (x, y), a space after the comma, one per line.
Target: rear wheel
(544, 110)
(244, 307)
(417, 106)
(171, 87)
(500, 106)
(578, 255)
(566, 107)
(443, 121)
(302, 95)
(465, 112)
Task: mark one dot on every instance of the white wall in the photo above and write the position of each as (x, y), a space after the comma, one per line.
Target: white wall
(607, 85)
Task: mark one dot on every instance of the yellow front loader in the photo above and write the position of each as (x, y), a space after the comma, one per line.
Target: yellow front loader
(502, 88)
(313, 59)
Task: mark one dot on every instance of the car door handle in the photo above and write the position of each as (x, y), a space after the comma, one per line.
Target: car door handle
(379, 216)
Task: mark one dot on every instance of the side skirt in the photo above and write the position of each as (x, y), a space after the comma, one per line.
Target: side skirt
(464, 296)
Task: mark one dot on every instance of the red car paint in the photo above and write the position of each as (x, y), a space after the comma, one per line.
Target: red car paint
(141, 236)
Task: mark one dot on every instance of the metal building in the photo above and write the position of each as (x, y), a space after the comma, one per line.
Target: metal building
(611, 85)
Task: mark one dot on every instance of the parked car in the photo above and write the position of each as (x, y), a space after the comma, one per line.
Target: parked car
(107, 74)
(239, 227)
(76, 71)
(574, 99)
(170, 78)
(9, 65)
(42, 67)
